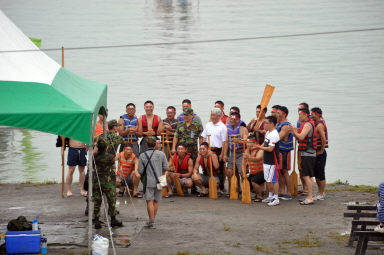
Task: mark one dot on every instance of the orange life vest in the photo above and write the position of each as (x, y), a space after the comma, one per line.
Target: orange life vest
(155, 123)
(308, 141)
(183, 169)
(255, 167)
(99, 129)
(126, 165)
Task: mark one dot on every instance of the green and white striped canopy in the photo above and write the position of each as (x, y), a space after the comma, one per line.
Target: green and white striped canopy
(37, 93)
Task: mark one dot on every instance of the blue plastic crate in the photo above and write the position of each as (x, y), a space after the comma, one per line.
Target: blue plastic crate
(18, 242)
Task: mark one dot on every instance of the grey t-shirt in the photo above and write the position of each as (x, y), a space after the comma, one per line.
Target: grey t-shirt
(310, 152)
(159, 163)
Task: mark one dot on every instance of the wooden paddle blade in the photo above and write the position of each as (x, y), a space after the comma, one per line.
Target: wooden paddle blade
(268, 91)
(294, 184)
(179, 188)
(246, 195)
(233, 194)
(164, 192)
(212, 188)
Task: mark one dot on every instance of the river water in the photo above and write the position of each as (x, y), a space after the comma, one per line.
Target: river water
(341, 73)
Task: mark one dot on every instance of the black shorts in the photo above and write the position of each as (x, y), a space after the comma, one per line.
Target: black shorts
(320, 166)
(257, 178)
(76, 157)
(308, 166)
(125, 181)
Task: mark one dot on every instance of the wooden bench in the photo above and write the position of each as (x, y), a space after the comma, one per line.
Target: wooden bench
(364, 237)
(356, 219)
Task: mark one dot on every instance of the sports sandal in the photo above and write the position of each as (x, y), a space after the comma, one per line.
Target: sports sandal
(257, 200)
(201, 194)
(138, 195)
(306, 202)
(168, 195)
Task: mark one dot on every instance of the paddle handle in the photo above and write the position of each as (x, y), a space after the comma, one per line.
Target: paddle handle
(234, 155)
(162, 138)
(210, 158)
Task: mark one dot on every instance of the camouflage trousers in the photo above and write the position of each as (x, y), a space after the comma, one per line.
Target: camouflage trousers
(107, 183)
(193, 150)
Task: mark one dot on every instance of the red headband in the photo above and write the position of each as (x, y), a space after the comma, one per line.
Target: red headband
(171, 110)
(148, 104)
(281, 111)
(304, 113)
(203, 145)
(131, 107)
(182, 146)
(219, 104)
(234, 117)
(186, 104)
(234, 111)
(315, 113)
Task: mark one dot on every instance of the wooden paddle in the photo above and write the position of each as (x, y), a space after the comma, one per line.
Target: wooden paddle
(212, 180)
(176, 180)
(233, 194)
(246, 195)
(294, 184)
(268, 91)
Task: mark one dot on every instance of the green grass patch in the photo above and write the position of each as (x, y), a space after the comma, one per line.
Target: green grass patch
(339, 182)
(226, 228)
(308, 241)
(357, 188)
(338, 237)
(262, 248)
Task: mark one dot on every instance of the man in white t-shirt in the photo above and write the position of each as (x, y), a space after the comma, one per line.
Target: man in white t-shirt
(218, 135)
(271, 160)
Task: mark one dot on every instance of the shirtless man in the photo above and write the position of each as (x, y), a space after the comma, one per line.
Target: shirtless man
(76, 157)
(149, 125)
(259, 131)
(202, 180)
(181, 165)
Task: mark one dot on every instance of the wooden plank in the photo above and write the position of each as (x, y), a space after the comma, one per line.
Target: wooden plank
(361, 207)
(360, 215)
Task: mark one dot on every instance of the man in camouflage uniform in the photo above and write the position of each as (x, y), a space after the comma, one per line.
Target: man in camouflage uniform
(187, 132)
(104, 155)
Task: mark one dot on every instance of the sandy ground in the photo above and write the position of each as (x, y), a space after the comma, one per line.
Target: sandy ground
(190, 225)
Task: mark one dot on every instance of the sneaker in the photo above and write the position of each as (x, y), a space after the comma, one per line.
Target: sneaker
(379, 229)
(319, 197)
(274, 202)
(267, 200)
(150, 225)
(287, 197)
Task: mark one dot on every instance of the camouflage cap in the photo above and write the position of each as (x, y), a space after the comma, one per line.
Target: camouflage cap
(112, 123)
(188, 111)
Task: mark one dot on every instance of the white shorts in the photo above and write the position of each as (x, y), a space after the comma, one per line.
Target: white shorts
(270, 173)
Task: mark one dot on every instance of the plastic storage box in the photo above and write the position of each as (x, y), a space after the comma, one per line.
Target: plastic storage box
(17, 242)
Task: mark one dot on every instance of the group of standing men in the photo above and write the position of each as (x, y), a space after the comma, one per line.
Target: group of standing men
(265, 144)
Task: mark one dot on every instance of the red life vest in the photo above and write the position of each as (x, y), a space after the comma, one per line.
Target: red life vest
(155, 123)
(308, 141)
(183, 169)
(326, 135)
(255, 167)
(126, 165)
(207, 170)
(224, 119)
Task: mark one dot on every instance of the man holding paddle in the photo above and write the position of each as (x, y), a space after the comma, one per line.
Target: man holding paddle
(203, 160)
(235, 134)
(181, 166)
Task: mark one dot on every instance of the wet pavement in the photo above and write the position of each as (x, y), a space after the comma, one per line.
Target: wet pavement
(189, 225)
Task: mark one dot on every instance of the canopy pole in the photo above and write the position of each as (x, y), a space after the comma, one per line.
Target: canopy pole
(62, 141)
(90, 190)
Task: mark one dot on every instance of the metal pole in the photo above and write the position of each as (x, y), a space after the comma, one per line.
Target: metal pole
(63, 141)
(90, 191)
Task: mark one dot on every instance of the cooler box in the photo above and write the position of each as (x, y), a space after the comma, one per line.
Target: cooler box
(17, 242)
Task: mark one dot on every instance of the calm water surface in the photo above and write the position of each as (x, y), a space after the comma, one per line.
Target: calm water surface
(341, 73)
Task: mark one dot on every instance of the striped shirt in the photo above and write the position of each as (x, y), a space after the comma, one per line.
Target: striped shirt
(380, 212)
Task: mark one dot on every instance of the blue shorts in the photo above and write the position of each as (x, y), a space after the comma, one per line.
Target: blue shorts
(76, 157)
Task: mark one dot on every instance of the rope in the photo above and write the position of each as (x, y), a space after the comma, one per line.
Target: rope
(202, 41)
